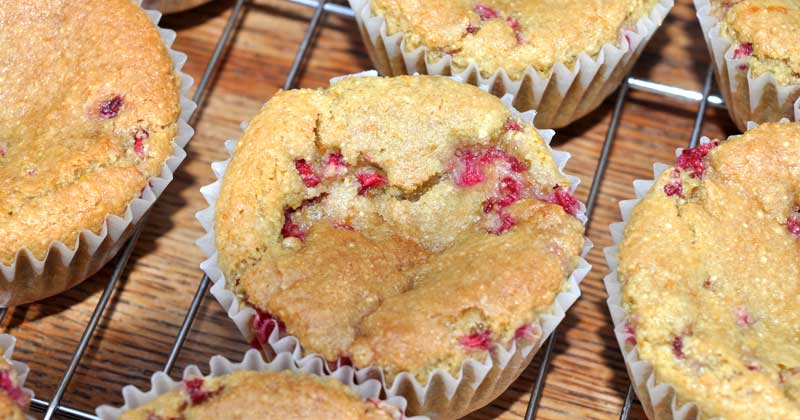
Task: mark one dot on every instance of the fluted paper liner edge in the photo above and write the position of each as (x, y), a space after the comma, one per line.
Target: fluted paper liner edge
(561, 97)
(161, 383)
(760, 99)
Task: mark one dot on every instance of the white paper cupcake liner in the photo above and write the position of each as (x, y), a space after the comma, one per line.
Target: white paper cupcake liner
(759, 99)
(7, 343)
(444, 396)
(161, 383)
(28, 278)
(659, 400)
(559, 98)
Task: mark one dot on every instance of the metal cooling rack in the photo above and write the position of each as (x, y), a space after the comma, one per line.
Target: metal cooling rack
(321, 8)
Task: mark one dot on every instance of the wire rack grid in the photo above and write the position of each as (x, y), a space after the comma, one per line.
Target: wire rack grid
(321, 8)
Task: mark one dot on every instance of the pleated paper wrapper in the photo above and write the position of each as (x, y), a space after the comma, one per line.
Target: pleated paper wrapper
(566, 93)
(161, 383)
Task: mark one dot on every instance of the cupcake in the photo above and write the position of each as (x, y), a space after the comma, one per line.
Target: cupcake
(755, 47)
(14, 398)
(707, 281)
(559, 58)
(253, 390)
(346, 215)
(90, 130)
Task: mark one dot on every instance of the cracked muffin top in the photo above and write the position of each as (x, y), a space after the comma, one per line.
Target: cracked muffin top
(767, 32)
(347, 213)
(710, 268)
(14, 401)
(83, 122)
(249, 395)
(510, 34)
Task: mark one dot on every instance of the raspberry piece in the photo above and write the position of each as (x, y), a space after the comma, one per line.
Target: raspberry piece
(485, 12)
(503, 223)
(13, 390)
(306, 173)
(693, 160)
(517, 28)
(194, 388)
(480, 340)
(138, 141)
(471, 29)
(675, 186)
(110, 108)
(631, 338)
(335, 164)
(793, 223)
(494, 154)
(743, 50)
(743, 317)
(3, 149)
(787, 373)
(753, 368)
(509, 192)
(370, 180)
(512, 124)
(567, 201)
(291, 230)
(262, 325)
(468, 170)
(677, 347)
(674, 189)
(525, 331)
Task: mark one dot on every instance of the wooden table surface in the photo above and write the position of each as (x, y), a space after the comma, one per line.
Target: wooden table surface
(587, 378)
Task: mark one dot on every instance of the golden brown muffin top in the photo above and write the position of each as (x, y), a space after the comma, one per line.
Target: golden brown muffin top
(89, 103)
(768, 31)
(710, 267)
(337, 201)
(248, 395)
(510, 34)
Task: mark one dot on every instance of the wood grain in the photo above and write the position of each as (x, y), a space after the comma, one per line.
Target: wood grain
(587, 379)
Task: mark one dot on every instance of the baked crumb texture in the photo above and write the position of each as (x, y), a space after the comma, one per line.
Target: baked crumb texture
(14, 401)
(510, 35)
(767, 32)
(710, 274)
(251, 395)
(89, 103)
(408, 223)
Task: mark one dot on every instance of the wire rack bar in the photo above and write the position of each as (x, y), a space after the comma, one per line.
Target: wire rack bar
(538, 388)
(98, 313)
(205, 282)
(321, 8)
(694, 138)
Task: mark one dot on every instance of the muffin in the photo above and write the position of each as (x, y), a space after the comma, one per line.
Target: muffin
(254, 389)
(14, 401)
(262, 395)
(708, 285)
(755, 46)
(345, 214)
(82, 142)
(14, 398)
(529, 49)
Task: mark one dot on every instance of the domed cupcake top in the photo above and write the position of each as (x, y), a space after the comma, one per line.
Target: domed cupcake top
(251, 395)
(511, 34)
(346, 214)
(89, 104)
(710, 268)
